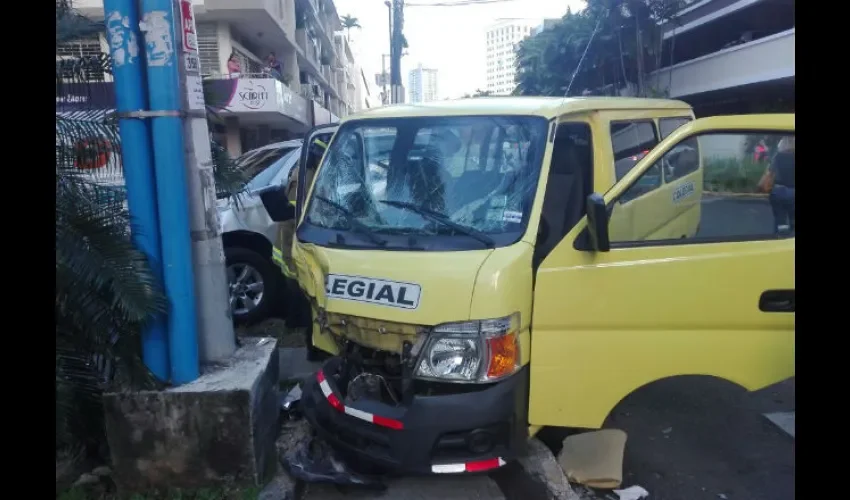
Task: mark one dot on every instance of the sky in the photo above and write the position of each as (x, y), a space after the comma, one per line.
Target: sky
(449, 39)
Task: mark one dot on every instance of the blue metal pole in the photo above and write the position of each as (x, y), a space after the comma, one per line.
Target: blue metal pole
(161, 50)
(122, 20)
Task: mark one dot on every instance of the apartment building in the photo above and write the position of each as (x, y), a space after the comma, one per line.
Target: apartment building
(319, 80)
(503, 37)
(422, 85)
(730, 56)
(545, 25)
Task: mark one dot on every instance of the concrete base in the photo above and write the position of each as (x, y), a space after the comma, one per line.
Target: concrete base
(219, 428)
(294, 364)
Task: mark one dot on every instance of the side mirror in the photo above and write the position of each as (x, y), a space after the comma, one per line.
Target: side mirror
(277, 204)
(597, 223)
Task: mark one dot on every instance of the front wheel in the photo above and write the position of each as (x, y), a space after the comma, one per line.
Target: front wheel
(252, 282)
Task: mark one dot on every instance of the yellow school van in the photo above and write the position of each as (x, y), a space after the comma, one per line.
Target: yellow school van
(482, 268)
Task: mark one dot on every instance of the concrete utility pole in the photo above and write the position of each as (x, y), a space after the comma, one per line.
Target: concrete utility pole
(216, 338)
(384, 75)
(395, 52)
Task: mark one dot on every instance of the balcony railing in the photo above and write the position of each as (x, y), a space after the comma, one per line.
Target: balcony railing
(260, 75)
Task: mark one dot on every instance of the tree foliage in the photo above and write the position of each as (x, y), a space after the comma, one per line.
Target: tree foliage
(348, 22)
(479, 93)
(622, 41)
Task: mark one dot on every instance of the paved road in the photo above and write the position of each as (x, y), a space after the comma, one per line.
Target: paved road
(700, 439)
(419, 488)
(735, 216)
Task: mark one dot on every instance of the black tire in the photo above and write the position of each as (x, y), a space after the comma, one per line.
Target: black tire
(269, 275)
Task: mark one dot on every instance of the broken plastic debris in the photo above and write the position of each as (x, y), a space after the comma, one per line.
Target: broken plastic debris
(632, 493)
(292, 398)
(316, 462)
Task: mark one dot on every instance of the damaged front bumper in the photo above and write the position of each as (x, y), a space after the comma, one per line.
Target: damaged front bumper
(478, 428)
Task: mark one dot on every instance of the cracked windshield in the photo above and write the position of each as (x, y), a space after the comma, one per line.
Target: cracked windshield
(425, 177)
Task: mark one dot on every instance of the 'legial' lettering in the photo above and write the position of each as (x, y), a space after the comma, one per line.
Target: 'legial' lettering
(373, 291)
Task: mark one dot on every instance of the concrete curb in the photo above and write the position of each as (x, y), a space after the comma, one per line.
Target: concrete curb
(542, 466)
(724, 194)
(294, 364)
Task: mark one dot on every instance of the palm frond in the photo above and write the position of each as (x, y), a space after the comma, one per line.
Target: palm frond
(106, 289)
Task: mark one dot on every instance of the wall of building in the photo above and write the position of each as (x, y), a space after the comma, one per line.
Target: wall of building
(502, 39)
(422, 83)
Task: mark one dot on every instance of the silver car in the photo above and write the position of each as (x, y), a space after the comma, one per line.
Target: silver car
(247, 233)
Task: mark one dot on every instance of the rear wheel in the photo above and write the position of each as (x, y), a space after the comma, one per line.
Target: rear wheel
(252, 280)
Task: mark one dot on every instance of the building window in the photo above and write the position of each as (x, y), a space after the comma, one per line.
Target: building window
(82, 59)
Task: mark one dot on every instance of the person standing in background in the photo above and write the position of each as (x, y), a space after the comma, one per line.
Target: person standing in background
(760, 153)
(779, 181)
(274, 66)
(234, 67)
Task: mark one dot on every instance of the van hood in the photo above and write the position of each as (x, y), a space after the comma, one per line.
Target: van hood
(401, 290)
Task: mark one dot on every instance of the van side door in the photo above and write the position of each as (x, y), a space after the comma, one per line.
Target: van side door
(609, 319)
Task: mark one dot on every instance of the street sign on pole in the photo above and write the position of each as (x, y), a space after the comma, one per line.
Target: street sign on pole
(187, 21)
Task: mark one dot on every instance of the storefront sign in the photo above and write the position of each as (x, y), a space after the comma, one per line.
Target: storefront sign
(255, 95)
(187, 22)
(85, 96)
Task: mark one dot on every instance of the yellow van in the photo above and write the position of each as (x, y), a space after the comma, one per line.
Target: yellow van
(482, 268)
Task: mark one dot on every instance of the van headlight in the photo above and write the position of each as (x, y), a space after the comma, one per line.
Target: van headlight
(471, 351)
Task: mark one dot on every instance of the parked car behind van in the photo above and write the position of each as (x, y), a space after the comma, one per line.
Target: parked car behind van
(247, 233)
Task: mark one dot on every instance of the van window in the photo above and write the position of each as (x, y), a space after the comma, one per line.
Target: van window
(647, 183)
(631, 141)
(682, 160)
(570, 182)
(669, 125)
(721, 201)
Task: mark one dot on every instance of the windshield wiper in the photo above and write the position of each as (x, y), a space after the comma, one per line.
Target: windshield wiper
(355, 224)
(444, 220)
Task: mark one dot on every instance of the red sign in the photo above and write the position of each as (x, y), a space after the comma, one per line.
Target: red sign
(187, 21)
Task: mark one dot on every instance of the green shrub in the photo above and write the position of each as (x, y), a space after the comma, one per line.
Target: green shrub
(732, 175)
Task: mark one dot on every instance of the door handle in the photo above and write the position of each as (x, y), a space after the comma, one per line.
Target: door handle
(778, 301)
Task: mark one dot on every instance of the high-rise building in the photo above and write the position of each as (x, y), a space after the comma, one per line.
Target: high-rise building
(422, 85)
(503, 37)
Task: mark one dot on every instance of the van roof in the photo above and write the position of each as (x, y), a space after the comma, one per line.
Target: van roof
(548, 107)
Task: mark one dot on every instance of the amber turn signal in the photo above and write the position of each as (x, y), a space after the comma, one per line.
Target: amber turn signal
(504, 355)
